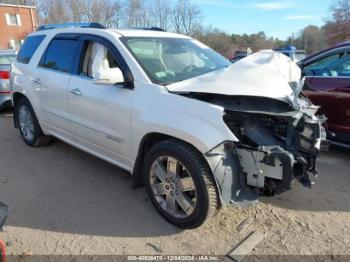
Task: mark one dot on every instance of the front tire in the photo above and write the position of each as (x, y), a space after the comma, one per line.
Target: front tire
(180, 184)
(28, 125)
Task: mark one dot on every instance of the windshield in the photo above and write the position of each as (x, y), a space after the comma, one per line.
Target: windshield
(7, 59)
(170, 60)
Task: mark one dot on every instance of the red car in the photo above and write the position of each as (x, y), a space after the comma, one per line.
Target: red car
(327, 83)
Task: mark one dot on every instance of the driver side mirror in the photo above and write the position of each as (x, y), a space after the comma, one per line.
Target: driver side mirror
(109, 76)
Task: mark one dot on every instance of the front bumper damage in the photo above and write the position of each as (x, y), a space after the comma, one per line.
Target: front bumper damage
(275, 147)
(263, 166)
(278, 132)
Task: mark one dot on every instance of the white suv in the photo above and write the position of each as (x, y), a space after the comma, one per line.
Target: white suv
(197, 131)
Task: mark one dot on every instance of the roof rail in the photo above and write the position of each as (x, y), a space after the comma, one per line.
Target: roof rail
(154, 28)
(70, 25)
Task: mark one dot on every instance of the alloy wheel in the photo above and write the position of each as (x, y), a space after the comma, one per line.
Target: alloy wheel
(26, 123)
(173, 187)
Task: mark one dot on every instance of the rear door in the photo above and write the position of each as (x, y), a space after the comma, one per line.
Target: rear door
(53, 75)
(100, 114)
(328, 85)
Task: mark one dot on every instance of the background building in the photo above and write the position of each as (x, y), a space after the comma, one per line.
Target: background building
(16, 21)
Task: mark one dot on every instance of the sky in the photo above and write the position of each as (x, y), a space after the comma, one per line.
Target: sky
(276, 18)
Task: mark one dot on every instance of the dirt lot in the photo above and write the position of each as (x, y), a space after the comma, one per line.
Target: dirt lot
(64, 201)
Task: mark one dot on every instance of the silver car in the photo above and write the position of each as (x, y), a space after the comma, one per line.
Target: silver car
(198, 132)
(6, 59)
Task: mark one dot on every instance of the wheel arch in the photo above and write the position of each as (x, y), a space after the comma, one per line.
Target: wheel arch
(146, 144)
(16, 96)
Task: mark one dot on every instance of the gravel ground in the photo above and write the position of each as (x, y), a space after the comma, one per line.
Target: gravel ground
(64, 201)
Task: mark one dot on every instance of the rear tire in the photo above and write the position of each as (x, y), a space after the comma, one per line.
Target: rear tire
(176, 170)
(28, 124)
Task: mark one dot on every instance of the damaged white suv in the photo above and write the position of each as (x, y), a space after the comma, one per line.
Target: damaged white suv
(197, 131)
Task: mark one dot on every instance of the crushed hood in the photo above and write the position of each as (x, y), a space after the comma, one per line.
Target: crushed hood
(263, 74)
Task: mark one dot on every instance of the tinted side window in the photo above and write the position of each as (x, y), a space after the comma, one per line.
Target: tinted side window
(59, 55)
(29, 47)
(327, 66)
(344, 68)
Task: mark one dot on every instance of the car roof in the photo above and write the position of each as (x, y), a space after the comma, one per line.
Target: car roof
(127, 32)
(119, 32)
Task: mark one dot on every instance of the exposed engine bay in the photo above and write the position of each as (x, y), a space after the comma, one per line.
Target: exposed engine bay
(276, 142)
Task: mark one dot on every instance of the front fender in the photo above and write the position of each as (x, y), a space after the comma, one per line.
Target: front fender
(195, 122)
(195, 131)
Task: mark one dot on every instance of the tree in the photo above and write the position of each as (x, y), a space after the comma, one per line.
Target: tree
(137, 13)
(52, 11)
(161, 13)
(76, 8)
(180, 16)
(215, 38)
(113, 15)
(256, 41)
(105, 12)
(337, 28)
(311, 39)
(185, 16)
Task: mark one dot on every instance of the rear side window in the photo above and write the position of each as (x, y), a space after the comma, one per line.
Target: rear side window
(60, 55)
(7, 59)
(29, 47)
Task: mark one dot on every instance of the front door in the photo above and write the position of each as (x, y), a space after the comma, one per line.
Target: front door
(100, 114)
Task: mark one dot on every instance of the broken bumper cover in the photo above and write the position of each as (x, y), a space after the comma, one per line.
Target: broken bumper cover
(243, 172)
(227, 171)
(237, 171)
(266, 164)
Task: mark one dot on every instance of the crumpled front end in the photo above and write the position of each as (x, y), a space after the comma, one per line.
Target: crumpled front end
(276, 145)
(276, 148)
(279, 135)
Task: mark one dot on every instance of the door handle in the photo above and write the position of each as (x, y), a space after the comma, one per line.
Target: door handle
(76, 91)
(37, 81)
